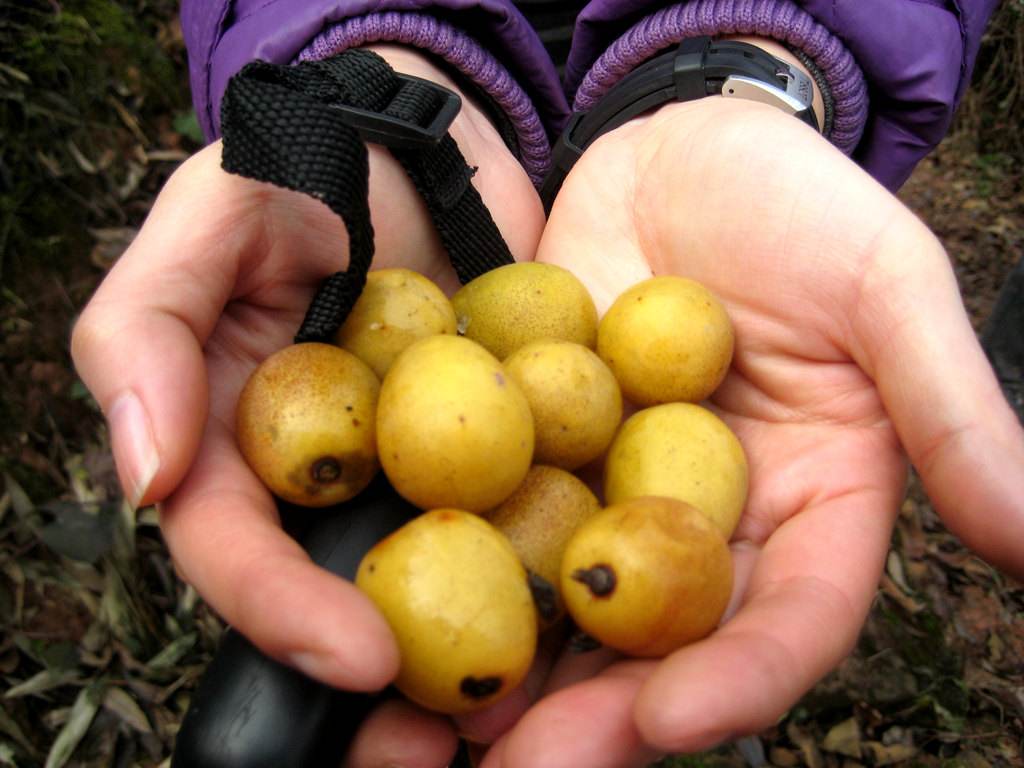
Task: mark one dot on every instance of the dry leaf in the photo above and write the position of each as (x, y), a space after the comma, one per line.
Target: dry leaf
(111, 242)
(80, 159)
(121, 703)
(784, 758)
(45, 680)
(167, 156)
(79, 719)
(905, 601)
(972, 759)
(803, 740)
(844, 738)
(9, 726)
(881, 754)
(20, 501)
(170, 655)
(894, 567)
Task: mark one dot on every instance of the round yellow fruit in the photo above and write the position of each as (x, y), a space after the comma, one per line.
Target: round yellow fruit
(538, 519)
(453, 429)
(305, 424)
(456, 597)
(647, 576)
(513, 305)
(575, 400)
(667, 339)
(396, 308)
(683, 451)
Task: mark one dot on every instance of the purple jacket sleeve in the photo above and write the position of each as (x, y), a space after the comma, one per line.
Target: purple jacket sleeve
(897, 68)
(913, 59)
(489, 41)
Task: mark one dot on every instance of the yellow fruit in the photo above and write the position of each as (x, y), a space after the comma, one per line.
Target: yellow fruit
(538, 520)
(511, 306)
(666, 339)
(306, 424)
(456, 597)
(453, 429)
(396, 308)
(574, 398)
(647, 576)
(682, 451)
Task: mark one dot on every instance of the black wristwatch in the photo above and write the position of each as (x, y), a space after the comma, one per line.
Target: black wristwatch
(699, 67)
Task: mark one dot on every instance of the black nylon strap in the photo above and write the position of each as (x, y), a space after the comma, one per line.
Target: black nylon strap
(467, 230)
(288, 125)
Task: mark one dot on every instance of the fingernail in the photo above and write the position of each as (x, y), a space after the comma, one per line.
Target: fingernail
(131, 436)
(315, 665)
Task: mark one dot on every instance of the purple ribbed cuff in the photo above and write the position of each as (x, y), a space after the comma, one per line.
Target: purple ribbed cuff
(462, 52)
(778, 19)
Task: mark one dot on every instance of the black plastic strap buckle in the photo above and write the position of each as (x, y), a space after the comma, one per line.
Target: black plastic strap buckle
(396, 132)
(564, 155)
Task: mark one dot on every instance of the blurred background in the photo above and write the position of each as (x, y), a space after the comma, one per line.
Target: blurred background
(100, 644)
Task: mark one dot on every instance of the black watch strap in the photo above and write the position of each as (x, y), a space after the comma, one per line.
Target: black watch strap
(699, 67)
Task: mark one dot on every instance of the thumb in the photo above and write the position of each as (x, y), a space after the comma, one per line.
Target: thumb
(138, 343)
(939, 389)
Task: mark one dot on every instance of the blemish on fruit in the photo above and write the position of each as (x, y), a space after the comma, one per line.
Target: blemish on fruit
(356, 422)
(599, 579)
(325, 470)
(500, 378)
(479, 687)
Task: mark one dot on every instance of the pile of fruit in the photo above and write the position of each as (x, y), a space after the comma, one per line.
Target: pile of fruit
(485, 411)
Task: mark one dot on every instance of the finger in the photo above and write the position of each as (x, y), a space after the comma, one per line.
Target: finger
(138, 344)
(589, 724)
(398, 733)
(806, 601)
(223, 528)
(808, 592)
(574, 667)
(913, 336)
(486, 725)
(598, 242)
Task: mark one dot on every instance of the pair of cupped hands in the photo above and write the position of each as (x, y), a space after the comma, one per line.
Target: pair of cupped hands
(853, 355)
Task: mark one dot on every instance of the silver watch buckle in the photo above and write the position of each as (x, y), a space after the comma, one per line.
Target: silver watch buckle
(796, 98)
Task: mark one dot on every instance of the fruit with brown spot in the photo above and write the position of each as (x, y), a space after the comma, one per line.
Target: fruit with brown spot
(456, 597)
(305, 424)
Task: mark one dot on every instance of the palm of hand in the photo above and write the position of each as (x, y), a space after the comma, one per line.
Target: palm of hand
(800, 245)
(222, 275)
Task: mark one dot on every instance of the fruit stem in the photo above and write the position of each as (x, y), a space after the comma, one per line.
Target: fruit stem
(545, 596)
(581, 642)
(599, 579)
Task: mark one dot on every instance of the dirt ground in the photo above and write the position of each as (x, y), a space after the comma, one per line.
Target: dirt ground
(100, 644)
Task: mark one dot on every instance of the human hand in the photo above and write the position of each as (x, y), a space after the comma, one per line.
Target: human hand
(853, 351)
(218, 278)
